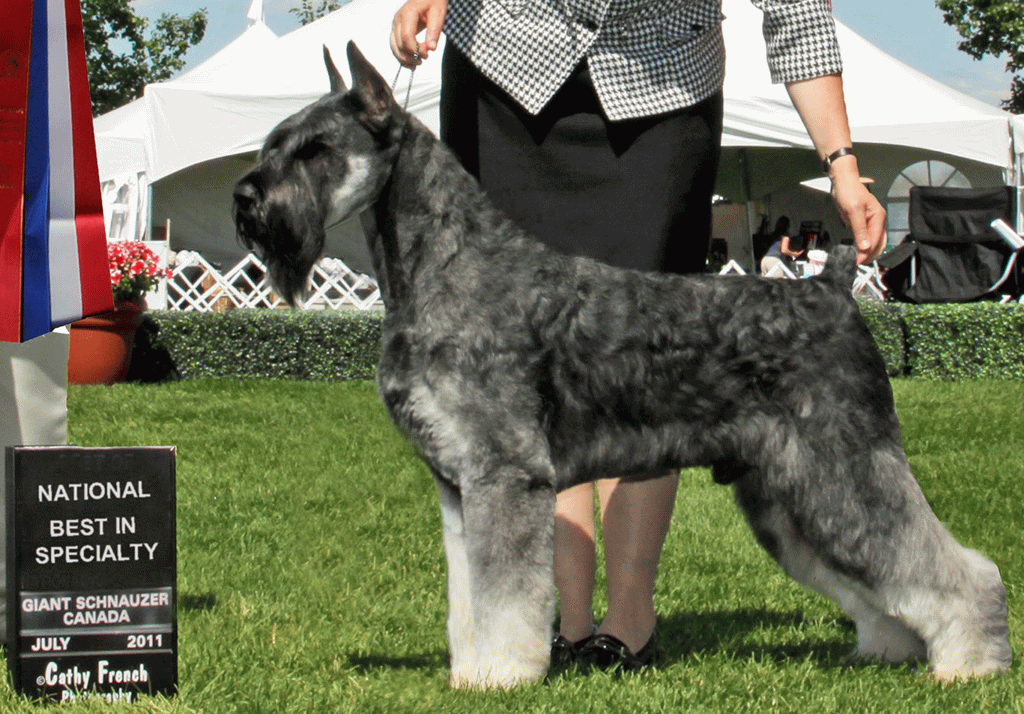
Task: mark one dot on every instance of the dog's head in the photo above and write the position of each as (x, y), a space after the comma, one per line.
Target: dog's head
(316, 168)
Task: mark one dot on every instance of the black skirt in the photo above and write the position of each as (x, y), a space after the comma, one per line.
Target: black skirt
(634, 193)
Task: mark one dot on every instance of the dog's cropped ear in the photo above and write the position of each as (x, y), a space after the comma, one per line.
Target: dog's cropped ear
(371, 89)
(337, 83)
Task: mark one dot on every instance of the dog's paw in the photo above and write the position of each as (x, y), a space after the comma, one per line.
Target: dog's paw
(964, 653)
(501, 676)
(486, 683)
(968, 671)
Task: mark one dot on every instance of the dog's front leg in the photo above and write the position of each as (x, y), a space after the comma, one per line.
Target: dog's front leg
(508, 520)
(461, 639)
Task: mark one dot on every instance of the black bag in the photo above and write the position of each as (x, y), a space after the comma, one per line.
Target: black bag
(952, 254)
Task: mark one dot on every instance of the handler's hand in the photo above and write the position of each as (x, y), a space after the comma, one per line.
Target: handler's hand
(860, 210)
(413, 17)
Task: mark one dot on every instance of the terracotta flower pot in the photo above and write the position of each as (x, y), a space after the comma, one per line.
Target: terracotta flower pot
(101, 345)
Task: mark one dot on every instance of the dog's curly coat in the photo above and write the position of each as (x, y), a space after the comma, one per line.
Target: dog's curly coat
(518, 372)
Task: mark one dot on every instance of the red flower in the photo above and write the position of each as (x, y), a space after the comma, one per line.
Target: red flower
(134, 269)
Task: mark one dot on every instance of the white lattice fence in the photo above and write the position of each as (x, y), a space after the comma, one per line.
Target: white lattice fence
(197, 285)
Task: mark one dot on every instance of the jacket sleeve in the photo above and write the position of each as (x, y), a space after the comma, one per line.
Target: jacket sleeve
(801, 39)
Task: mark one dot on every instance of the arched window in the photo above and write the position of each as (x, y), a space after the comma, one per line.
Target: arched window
(923, 173)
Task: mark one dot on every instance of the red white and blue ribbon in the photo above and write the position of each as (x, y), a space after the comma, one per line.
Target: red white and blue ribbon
(35, 318)
(16, 39)
(53, 257)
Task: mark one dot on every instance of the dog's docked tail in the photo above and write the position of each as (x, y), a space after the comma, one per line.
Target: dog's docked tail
(841, 266)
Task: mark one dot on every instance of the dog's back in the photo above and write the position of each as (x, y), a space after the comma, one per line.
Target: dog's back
(673, 357)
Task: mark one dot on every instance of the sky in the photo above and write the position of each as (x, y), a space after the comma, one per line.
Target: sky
(912, 31)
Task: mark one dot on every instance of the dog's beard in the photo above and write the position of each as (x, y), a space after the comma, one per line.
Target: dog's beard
(289, 279)
(288, 241)
(291, 262)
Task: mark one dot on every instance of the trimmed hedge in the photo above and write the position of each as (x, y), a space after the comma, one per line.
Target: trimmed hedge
(980, 340)
(949, 342)
(886, 324)
(278, 344)
(968, 341)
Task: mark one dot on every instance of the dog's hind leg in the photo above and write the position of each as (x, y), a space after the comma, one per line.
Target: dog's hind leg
(461, 638)
(953, 597)
(860, 531)
(879, 636)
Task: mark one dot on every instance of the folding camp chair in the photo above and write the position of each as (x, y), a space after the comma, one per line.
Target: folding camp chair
(732, 267)
(868, 283)
(780, 270)
(952, 253)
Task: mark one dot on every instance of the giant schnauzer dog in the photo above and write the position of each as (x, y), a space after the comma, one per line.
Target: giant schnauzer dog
(518, 372)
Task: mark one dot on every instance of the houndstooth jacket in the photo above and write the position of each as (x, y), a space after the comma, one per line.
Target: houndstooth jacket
(645, 56)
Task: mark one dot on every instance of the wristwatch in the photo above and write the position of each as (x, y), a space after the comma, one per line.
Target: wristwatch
(826, 163)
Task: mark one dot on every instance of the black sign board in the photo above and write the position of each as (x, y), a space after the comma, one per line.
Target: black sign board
(91, 572)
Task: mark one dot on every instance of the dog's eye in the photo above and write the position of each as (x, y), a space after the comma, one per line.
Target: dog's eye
(310, 150)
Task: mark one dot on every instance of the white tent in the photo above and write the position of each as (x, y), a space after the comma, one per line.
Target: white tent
(194, 136)
(199, 132)
(122, 135)
(889, 104)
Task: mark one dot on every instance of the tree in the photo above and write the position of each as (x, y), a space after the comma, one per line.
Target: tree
(311, 10)
(118, 76)
(992, 27)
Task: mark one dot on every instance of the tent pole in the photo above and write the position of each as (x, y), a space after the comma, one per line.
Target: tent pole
(1019, 159)
(1020, 210)
(1017, 172)
(147, 233)
(748, 214)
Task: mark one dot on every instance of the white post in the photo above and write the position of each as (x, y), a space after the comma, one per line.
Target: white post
(33, 410)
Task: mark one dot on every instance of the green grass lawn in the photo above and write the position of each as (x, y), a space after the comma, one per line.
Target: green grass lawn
(312, 578)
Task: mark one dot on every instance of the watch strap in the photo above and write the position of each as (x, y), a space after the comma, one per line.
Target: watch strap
(826, 164)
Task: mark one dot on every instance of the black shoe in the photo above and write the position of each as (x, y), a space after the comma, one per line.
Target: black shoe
(565, 653)
(608, 652)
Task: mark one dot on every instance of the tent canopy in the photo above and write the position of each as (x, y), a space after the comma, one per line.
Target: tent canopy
(191, 136)
(237, 104)
(122, 134)
(889, 104)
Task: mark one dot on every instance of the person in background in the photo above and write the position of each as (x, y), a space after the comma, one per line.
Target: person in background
(782, 249)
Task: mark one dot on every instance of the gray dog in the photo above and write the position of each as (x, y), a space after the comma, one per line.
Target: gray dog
(518, 372)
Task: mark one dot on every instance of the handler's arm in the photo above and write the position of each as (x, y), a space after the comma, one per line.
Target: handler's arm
(411, 18)
(821, 106)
